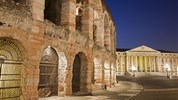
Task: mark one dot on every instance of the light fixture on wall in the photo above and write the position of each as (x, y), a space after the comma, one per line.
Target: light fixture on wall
(49, 46)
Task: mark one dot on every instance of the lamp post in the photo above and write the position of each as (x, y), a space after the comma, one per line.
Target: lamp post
(133, 69)
(167, 66)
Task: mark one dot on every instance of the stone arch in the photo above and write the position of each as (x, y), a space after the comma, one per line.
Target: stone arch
(106, 32)
(98, 32)
(52, 11)
(97, 70)
(79, 13)
(97, 29)
(107, 73)
(48, 80)
(112, 37)
(113, 74)
(79, 79)
(12, 56)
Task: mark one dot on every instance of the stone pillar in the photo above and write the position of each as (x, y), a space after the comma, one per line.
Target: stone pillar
(87, 19)
(154, 67)
(121, 68)
(172, 65)
(103, 74)
(136, 65)
(145, 62)
(68, 14)
(38, 9)
(126, 63)
(131, 61)
(158, 63)
(141, 66)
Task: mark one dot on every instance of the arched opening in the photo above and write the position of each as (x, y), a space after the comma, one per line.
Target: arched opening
(48, 80)
(79, 78)
(97, 70)
(79, 13)
(113, 76)
(79, 19)
(11, 69)
(107, 73)
(112, 40)
(52, 11)
(106, 33)
(97, 73)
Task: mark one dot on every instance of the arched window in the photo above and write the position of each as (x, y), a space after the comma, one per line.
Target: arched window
(52, 11)
(79, 12)
(78, 19)
(106, 33)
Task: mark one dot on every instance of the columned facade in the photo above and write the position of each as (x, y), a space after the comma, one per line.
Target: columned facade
(145, 59)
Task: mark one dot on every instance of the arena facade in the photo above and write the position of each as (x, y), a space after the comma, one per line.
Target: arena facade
(55, 48)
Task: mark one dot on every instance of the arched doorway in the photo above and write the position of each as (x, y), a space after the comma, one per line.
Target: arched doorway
(48, 82)
(97, 70)
(79, 78)
(107, 73)
(11, 67)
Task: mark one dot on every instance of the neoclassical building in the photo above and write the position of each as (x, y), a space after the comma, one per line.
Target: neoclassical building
(146, 59)
(55, 48)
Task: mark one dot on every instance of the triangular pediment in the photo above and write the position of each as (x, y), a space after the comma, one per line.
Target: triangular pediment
(143, 49)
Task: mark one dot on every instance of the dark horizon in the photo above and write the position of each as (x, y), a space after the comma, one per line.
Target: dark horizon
(153, 23)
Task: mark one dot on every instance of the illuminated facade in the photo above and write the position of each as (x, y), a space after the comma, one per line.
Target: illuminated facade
(55, 48)
(145, 59)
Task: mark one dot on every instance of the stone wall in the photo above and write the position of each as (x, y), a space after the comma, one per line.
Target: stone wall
(24, 22)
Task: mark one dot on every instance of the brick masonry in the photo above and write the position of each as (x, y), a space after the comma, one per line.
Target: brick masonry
(25, 23)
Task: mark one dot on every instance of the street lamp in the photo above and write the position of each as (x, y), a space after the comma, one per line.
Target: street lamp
(167, 66)
(133, 69)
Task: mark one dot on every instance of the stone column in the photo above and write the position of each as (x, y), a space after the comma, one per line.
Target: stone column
(38, 9)
(145, 60)
(172, 65)
(158, 63)
(68, 14)
(136, 63)
(87, 19)
(154, 64)
(141, 65)
(126, 63)
(121, 69)
(131, 61)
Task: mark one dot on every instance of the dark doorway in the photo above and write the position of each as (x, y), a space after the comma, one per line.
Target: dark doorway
(79, 80)
(52, 11)
(76, 74)
(48, 83)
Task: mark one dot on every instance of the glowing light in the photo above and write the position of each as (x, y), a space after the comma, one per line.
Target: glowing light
(167, 66)
(133, 68)
(49, 46)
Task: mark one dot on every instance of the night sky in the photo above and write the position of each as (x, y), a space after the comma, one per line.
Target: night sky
(153, 23)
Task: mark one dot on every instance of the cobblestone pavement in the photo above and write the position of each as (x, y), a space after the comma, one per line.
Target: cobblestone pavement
(122, 91)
